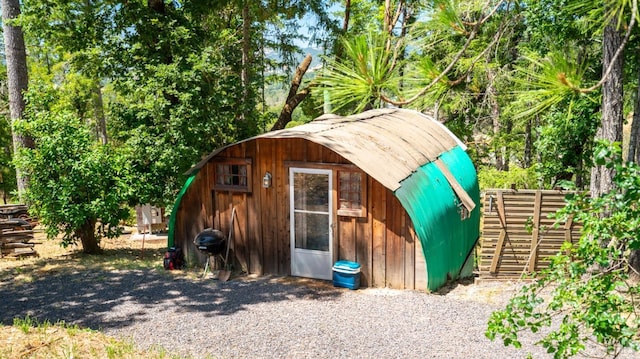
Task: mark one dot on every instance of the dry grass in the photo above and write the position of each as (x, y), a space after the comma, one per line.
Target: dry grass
(119, 253)
(29, 339)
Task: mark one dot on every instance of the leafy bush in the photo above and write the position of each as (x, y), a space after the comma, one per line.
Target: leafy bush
(74, 182)
(593, 296)
(565, 143)
(522, 178)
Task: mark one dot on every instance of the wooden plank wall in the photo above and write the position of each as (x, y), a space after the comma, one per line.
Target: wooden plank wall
(518, 236)
(383, 242)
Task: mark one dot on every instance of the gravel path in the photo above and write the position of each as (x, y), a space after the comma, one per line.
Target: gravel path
(267, 317)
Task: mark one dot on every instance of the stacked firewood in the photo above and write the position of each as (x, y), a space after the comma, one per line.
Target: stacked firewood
(15, 238)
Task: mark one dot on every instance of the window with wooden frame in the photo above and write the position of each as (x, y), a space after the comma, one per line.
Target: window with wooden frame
(233, 174)
(352, 194)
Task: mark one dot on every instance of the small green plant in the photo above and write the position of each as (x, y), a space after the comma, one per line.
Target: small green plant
(588, 295)
(24, 324)
(43, 326)
(119, 349)
(72, 330)
(69, 350)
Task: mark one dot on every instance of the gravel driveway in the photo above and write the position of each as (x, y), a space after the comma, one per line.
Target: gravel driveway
(266, 317)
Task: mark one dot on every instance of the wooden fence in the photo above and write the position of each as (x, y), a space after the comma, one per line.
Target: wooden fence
(518, 236)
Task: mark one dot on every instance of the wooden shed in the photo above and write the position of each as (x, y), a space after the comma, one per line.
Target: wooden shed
(391, 189)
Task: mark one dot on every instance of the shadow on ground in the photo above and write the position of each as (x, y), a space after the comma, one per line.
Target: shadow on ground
(102, 299)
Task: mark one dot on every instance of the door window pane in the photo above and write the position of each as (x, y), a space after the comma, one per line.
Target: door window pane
(312, 231)
(311, 192)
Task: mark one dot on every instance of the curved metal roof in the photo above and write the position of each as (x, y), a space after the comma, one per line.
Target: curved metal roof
(388, 144)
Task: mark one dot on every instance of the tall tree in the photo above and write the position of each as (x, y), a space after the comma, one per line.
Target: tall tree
(17, 77)
(612, 102)
(634, 136)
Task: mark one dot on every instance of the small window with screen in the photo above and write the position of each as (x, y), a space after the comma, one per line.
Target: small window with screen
(233, 175)
(351, 194)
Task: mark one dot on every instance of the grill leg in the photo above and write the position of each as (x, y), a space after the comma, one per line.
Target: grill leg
(206, 267)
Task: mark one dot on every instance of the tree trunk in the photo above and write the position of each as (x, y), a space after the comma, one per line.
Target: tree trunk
(528, 145)
(407, 20)
(387, 15)
(347, 15)
(634, 137)
(87, 234)
(293, 98)
(98, 113)
(580, 175)
(245, 76)
(506, 154)
(16, 60)
(612, 117)
(492, 98)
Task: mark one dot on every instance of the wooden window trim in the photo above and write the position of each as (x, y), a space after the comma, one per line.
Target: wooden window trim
(320, 165)
(233, 161)
(353, 212)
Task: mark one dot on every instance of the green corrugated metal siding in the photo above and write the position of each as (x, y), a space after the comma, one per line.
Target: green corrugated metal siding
(174, 211)
(433, 207)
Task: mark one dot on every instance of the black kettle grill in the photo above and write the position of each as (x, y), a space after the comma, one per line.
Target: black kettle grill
(211, 241)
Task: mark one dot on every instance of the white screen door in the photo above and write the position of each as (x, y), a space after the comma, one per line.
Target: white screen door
(311, 240)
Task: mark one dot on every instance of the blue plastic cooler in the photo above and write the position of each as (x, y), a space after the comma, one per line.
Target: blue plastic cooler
(346, 274)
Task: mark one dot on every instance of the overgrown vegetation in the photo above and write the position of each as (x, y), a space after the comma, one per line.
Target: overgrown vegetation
(520, 178)
(591, 290)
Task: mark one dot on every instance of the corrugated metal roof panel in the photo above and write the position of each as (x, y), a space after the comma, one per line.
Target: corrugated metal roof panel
(388, 144)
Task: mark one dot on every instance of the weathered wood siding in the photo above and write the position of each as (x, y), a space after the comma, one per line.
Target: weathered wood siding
(518, 236)
(383, 242)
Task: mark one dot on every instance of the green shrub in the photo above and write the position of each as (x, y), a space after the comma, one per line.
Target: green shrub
(521, 178)
(76, 185)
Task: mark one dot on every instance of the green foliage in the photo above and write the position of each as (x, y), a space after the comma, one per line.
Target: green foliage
(170, 74)
(25, 324)
(547, 82)
(366, 16)
(490, 177)
(565, 142)
(552, 23)
(74, 181)
(590, 291)
(7, 169)
(355, 83)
